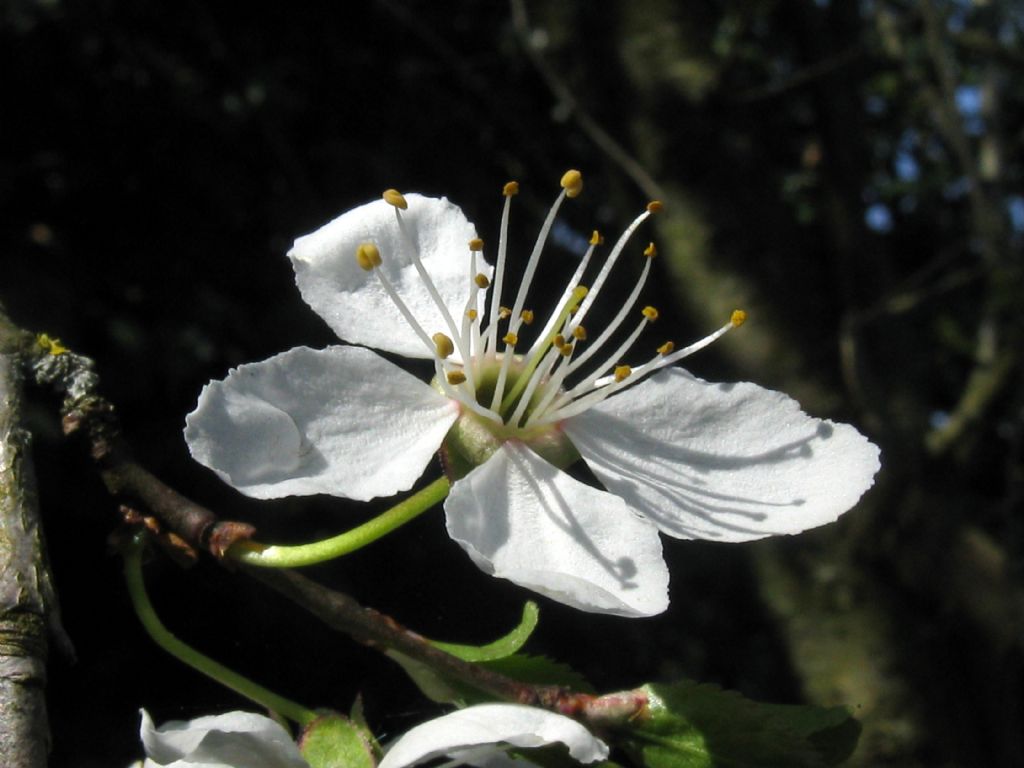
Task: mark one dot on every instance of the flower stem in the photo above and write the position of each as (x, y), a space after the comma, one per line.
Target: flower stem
(190, 656)
(272, 556)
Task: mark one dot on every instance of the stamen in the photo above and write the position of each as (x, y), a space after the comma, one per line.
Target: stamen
(582, 404)
(459, 395)
(535, 379)
(655, 206)
(456, 377)
(620, 244)
(650, 251)
(510, 338)
(558, 341)
(476, 245)
(428, 282)
(504, 313)
(606, 334)
(395, 198)
(622, 372)
(572, 183)
(443, 345)
(580, 333)
(650, 313)
(527, 316)
(666, 348)
(553, 321)
(555, 399)
(510, 190)
(536, 354)
(499, 385)
(368, 256)
(739, 317)
(481, 280)
(471, 314)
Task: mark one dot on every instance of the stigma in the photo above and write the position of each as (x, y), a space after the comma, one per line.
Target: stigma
(518, 371)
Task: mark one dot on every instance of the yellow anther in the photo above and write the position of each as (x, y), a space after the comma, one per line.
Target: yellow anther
(666, 348)
(367, 256)
(51, 345)
(476, 244)
(510, 339)
(572, 183)
(650, 313)
(510, 189)
(580, 332)
(739, 317)
(455, 377)
(596, 238)
(558, 341)
(650, 251)
(622, 372)
(566, 350)
(527, 316)
(471, 314)
(504, 312)
(443, 345)
(395, 198)
(654, 206)
(481, 280)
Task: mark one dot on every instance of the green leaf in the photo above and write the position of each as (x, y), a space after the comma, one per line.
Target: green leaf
(690, 725)
(334, 741)
(432, 684)
(500, 648)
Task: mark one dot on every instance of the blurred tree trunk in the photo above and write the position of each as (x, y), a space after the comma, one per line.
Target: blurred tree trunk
(906, 609)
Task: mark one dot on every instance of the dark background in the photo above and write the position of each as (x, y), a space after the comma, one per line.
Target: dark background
(847, 172)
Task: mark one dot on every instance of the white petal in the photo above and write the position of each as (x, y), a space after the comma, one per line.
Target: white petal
(231, 740)
(342, 421)
(353, 302)
(727, 462)
(522, 519)
(486, 724)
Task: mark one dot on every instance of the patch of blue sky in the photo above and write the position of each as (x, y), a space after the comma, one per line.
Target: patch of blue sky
(969, 103)
(564, 236)
(878, 218)
(1015, 208)
(906, 166)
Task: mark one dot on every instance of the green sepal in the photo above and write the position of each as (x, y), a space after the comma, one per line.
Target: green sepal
(693, 725)
(335, 741)
(434, 685)
(503, 646)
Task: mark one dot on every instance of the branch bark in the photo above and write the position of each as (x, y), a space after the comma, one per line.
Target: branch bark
(26, 592)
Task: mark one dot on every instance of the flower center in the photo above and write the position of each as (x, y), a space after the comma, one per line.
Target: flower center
(512, 391)
(474, 439)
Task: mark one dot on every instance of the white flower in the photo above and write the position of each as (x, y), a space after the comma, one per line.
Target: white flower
(692, 459)
(477, 735)
(231, 740)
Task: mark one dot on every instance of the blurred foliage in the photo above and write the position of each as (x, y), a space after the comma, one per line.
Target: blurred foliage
(850, 173)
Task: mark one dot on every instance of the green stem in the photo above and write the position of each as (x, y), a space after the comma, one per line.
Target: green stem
(272, 556)
(193, 658)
